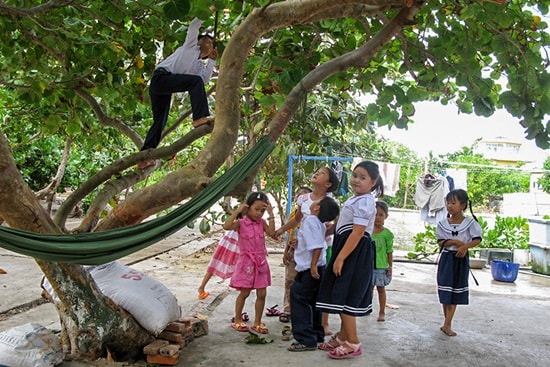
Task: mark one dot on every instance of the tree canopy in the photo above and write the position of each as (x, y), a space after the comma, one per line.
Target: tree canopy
(74, 101)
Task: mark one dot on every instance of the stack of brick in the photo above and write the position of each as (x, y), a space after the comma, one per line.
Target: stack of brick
(166, 349)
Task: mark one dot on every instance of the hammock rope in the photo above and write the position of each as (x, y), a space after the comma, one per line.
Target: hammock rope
(95, 248)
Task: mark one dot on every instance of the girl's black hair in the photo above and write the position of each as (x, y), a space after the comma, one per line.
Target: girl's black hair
(374, 173)
(255, 196)
(462, 197)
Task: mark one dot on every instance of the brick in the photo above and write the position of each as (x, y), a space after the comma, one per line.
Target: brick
(177, 327)
(171, 336)
(169, 350)
(164, 360)
(153, 348)
(200, 327)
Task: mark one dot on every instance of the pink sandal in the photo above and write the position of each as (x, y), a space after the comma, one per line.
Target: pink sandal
(342, 353)
(326, 346)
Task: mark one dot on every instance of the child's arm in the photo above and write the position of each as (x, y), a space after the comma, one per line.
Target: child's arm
(357, 232)
(390, 263)
(269, 227)
(462, 250)
(291, 223)
(313, 266)
(232, 223)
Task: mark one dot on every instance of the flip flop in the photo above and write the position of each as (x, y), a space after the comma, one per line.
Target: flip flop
(287, 333)
(273, 311)
(284, 317)
(299, 347)
(244, 317)
(203, 295)
(239, 326)
(259, 329)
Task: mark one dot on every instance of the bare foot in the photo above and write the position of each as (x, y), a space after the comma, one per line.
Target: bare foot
(393, 307)
(381, 317)
(202, 121)
(145, 164)
(328, 332)
(448, 331)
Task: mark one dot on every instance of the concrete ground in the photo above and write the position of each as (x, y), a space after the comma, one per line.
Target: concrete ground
(506, 324)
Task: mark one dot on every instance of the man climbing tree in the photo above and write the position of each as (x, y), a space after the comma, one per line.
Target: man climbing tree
(182, 71)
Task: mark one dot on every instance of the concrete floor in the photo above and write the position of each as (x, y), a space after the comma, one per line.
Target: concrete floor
(506, 324)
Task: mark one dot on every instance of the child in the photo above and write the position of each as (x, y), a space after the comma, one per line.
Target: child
(383, 241)
(455, 235)
(252, 269)
(310, 257)
(322, 181)
(223, 261)
(346, 287)
(288, 261)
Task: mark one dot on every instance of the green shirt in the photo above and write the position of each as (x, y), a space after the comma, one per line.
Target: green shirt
(384, 246)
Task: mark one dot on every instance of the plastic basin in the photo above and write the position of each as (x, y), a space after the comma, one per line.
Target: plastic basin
(504, 271)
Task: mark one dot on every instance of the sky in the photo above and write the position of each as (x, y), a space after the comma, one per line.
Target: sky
(440, 129)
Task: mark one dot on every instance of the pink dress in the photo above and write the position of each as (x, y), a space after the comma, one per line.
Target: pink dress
(252, 269)
(225, 257)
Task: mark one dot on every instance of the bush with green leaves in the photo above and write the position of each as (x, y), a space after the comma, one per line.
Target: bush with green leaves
(507, 233)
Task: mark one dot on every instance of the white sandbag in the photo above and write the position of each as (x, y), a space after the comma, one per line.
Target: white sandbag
(30, 345)
(149, 301)
(146, 299)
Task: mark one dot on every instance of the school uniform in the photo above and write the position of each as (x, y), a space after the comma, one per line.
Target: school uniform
(351, 292)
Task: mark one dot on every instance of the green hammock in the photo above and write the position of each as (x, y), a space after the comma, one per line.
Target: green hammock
(96, 248)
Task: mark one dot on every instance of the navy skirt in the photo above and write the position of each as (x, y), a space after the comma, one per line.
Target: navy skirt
(351, 292)
(452, 278)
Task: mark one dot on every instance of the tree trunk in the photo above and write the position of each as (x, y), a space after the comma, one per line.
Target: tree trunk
(91, 323)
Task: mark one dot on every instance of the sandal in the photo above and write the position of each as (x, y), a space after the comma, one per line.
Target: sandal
(287, 333)
(284, 317)
(273, 311)
(342, 353)
(239, 326)
(299, 347)
(260, 329)
(244, 317)
(330, 345)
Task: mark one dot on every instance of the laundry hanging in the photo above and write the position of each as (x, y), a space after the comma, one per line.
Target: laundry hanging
(97, 248)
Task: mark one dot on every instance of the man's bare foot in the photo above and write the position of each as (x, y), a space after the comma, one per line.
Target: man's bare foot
(448, 331)
(381, 317)
(202, 121)
(145, 164)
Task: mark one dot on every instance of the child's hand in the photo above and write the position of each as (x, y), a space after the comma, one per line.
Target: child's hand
(242, 208)
(337, 267)
(314, 273)
(292, 243)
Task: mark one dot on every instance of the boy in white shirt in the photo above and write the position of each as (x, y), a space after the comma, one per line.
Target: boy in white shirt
(310, 258)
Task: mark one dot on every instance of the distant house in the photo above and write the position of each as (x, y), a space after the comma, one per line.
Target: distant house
(502, 151)
(510, 153)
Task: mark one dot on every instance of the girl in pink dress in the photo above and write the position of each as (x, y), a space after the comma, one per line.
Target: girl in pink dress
(252, 270)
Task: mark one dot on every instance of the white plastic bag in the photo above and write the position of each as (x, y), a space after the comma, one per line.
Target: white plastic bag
(30, 345)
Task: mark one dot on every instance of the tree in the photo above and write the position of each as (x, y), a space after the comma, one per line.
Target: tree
(77, 71)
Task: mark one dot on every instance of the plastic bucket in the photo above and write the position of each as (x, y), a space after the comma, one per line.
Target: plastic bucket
(504, 271)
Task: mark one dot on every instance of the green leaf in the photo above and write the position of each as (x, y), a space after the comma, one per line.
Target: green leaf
(177, 9)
